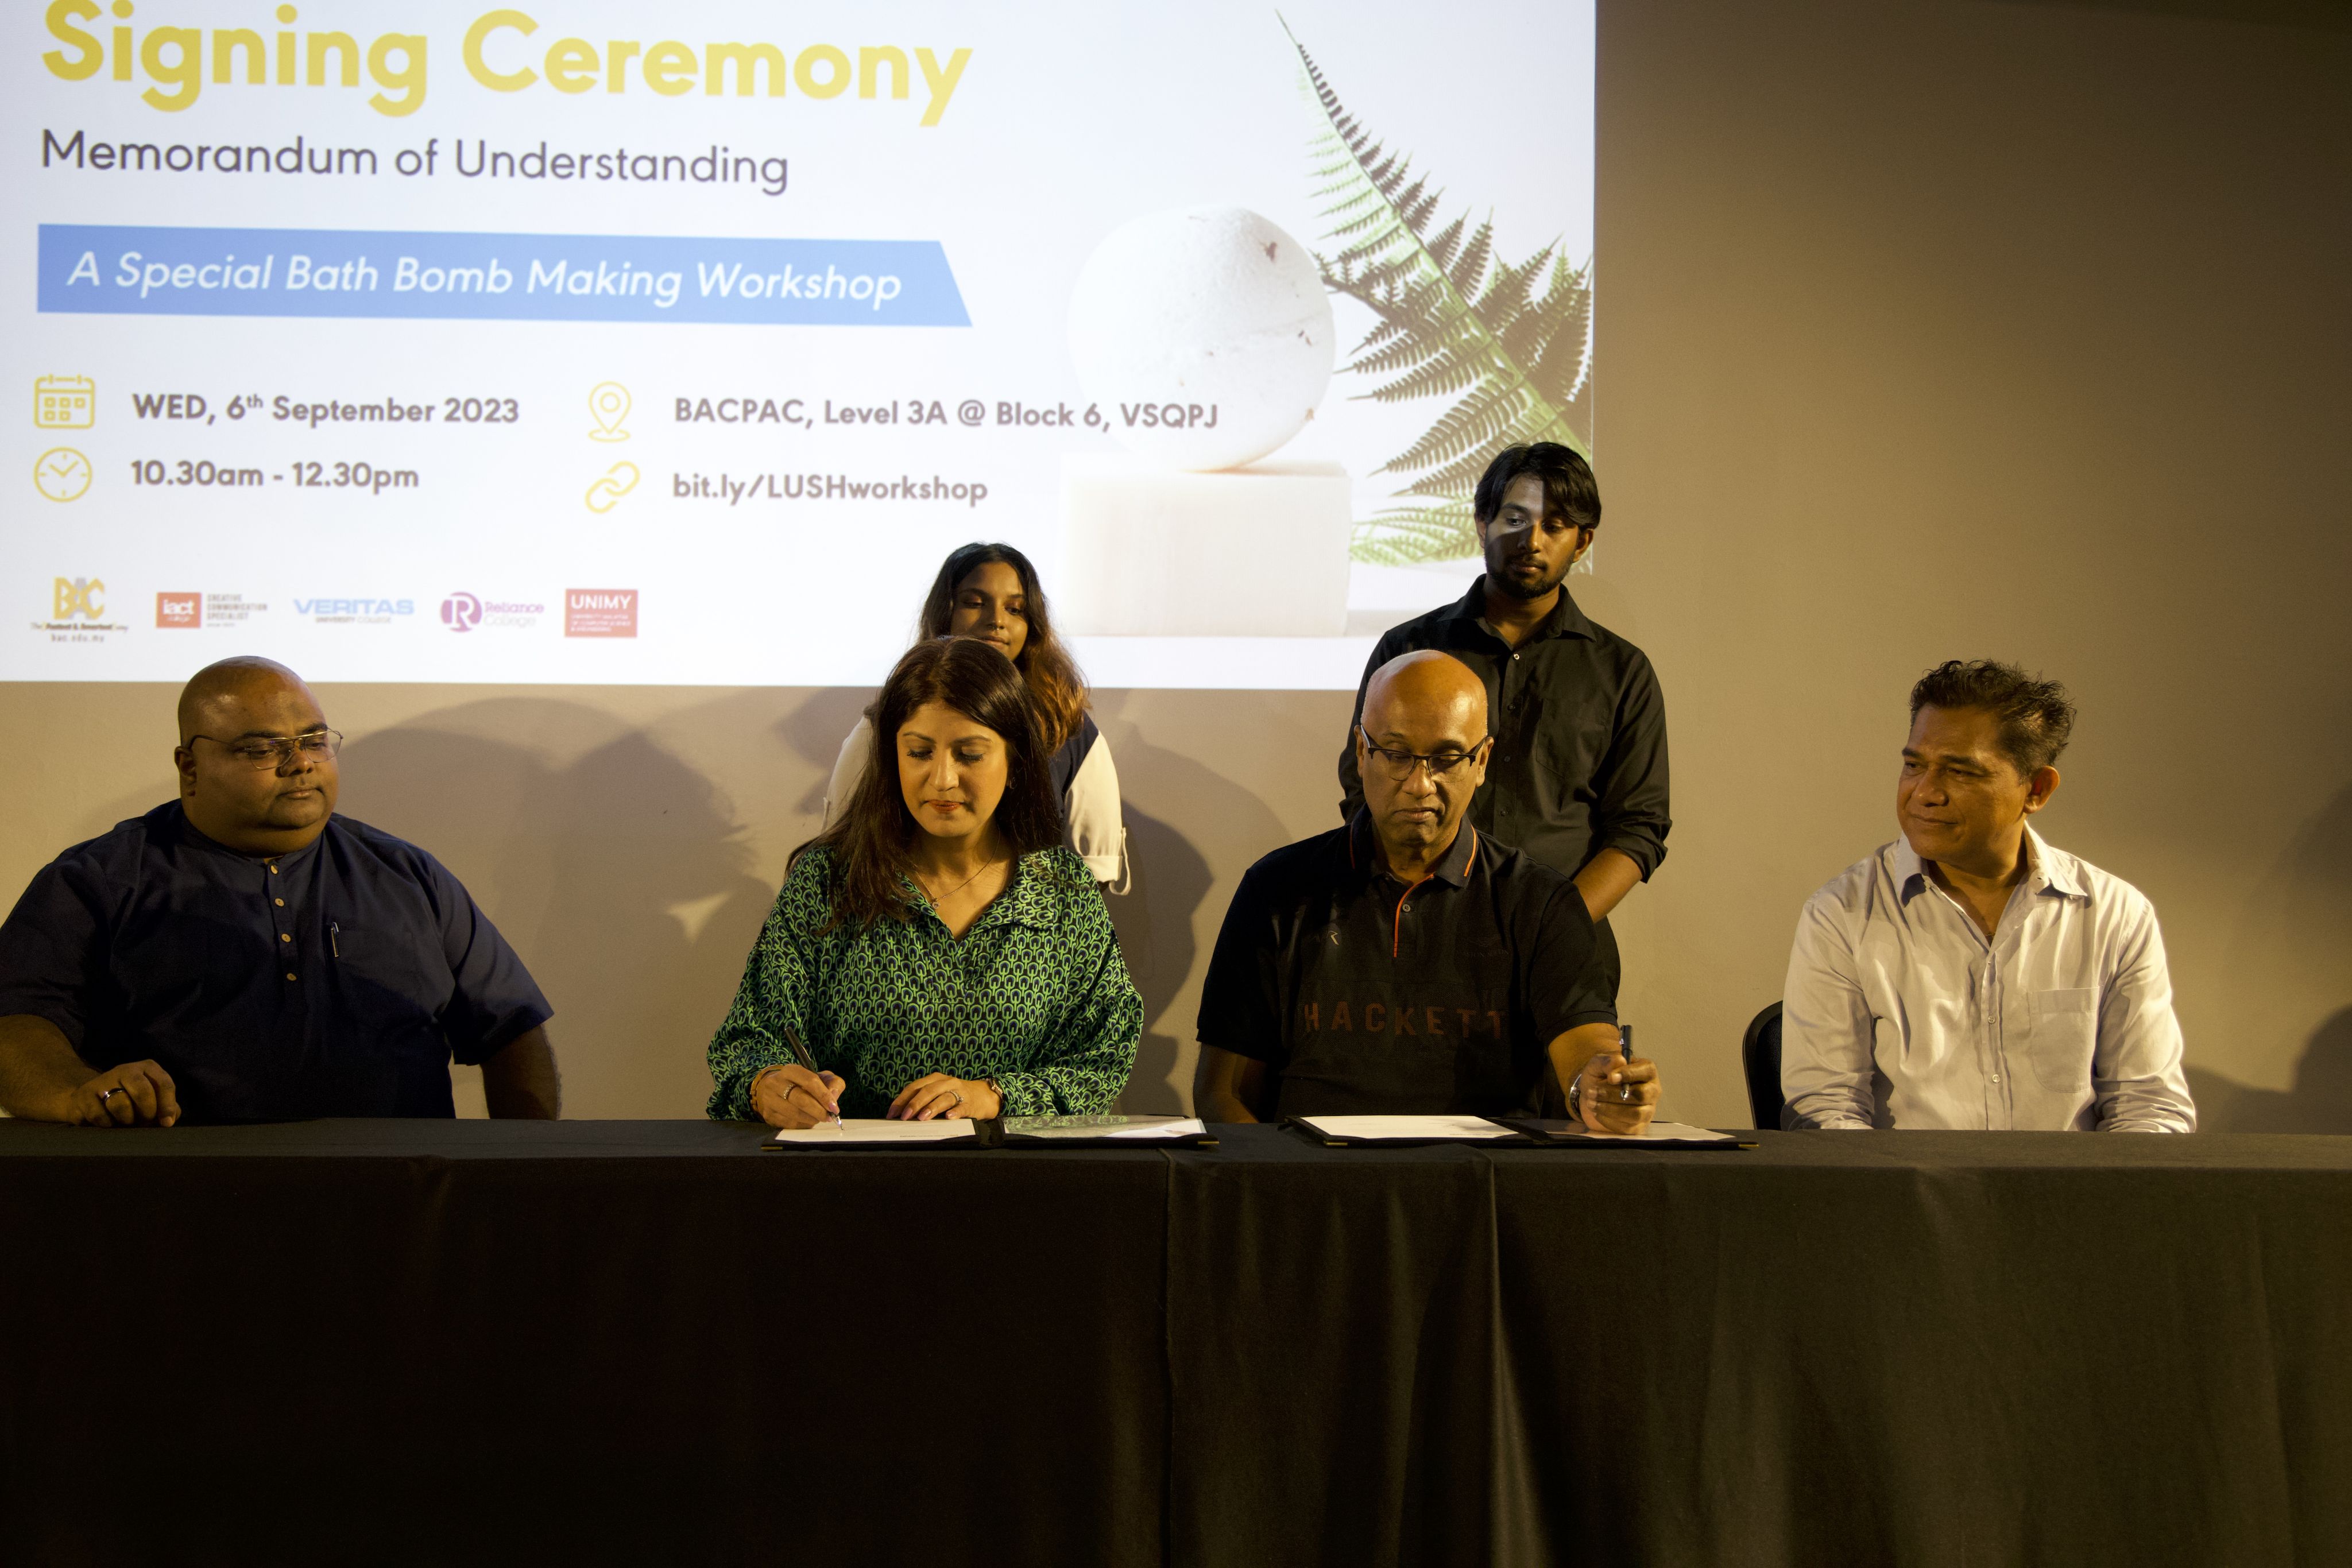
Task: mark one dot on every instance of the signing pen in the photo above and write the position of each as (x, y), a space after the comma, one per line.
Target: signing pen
(800, 1054)
(1625, 1050)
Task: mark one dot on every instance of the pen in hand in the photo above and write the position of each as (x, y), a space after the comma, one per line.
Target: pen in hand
(1626, 1053)
(800, 1054)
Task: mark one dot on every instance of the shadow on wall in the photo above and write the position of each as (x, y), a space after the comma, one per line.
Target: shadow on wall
(2320, 1101)
(1175, 805)
(619, 876)
(2287, 960)
(815, 731)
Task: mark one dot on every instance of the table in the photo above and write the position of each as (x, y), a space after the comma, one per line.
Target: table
(653, 1341)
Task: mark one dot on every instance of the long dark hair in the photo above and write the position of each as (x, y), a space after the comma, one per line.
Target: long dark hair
(873, 842)
(1053, 675)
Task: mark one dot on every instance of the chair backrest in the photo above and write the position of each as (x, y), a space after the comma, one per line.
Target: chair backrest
(1760, 1058)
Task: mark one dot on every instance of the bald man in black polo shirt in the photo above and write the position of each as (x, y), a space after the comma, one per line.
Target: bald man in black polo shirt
(1408, 963)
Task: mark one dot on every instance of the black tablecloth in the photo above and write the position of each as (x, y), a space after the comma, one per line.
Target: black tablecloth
(652, 1341)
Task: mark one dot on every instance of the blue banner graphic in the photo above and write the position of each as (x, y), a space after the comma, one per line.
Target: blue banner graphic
(98, 269)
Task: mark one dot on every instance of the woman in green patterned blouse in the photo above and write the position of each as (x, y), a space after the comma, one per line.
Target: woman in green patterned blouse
(938, 949)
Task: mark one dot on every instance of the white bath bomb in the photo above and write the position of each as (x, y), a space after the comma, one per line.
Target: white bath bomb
(1203, 335)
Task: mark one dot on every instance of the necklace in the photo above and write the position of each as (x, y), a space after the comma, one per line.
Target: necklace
(939, 898)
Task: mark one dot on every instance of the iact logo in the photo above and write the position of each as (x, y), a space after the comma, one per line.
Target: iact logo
(461, 613)
(179, 609)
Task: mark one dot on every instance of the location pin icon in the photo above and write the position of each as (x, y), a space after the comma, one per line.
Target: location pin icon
(608, 405)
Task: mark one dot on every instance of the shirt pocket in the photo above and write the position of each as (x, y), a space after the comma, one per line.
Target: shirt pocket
(2062, 1032)
(383, 973)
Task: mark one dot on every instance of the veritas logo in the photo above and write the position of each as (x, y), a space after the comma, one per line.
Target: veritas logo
(461, 613)
(599, 612)
(175, 610)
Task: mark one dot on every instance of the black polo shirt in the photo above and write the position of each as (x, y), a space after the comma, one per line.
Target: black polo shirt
(338, 980)
(1580, 726)
(1364, 995)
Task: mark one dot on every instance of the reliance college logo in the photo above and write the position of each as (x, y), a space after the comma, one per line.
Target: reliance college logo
(468, 611)
(599, 612)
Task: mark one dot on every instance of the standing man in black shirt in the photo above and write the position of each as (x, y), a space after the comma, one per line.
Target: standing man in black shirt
(243, 954)
(1577, 778)
(1407, 963)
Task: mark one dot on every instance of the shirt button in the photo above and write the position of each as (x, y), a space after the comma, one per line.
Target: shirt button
(289, 974)
(273, 871)
(282, 936)
(278, 902)
(1408, 909)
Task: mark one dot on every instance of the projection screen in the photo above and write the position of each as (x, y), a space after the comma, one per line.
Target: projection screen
(624, 344)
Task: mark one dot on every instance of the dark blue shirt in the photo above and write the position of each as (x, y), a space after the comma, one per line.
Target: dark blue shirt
(338, 980)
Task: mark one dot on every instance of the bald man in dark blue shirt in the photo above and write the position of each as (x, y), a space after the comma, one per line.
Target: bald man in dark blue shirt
(243, 954)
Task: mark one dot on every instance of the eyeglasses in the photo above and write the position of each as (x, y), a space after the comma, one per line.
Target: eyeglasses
(274, 752)
(1398, 765)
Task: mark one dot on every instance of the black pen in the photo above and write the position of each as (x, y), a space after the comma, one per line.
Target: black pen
(801, 1053)
(1625, 1050)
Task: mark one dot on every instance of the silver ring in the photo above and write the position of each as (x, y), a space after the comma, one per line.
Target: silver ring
(958, 1095)
(1625, 1092)
(111, 1094)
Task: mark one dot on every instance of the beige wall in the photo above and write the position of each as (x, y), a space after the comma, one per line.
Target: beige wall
(1927, 330)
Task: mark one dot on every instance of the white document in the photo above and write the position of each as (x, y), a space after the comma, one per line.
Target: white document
(878, 1130)
(1664, 1132)
(1143, 1128)
(1448, 1127)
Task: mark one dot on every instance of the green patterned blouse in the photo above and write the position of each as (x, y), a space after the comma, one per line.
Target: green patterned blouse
(1035, 995)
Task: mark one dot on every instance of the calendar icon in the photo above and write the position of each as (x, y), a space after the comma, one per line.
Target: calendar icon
(65, 402)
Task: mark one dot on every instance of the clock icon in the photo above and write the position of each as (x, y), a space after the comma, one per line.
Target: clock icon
(62, 474)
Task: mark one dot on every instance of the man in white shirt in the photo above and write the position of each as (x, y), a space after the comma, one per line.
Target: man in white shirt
(1969, 974)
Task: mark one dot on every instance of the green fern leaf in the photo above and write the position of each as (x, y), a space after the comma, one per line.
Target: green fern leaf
(1511, 343)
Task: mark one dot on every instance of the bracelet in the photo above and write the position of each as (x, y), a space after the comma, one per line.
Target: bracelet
(998, 1090)
(751, 1090)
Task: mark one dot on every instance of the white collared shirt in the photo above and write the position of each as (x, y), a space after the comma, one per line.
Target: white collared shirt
(1899, 1012)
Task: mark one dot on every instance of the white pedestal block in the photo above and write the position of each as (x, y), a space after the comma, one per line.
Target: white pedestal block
(1257, 551)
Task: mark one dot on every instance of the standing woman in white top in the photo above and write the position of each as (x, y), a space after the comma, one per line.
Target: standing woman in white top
(990, 591)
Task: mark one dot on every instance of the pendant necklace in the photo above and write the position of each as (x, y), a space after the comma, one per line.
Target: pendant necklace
(939, 898)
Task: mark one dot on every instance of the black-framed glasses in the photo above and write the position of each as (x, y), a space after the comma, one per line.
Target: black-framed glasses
(1398, 765)
(275, 751)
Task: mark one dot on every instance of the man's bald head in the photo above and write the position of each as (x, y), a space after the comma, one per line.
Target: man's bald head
(1426, 698)
(256, 758)
(235, 681)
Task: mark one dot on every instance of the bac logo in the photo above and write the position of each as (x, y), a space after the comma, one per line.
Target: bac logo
(599, 612)
(77, 596)
(461, 613)
(179, 609)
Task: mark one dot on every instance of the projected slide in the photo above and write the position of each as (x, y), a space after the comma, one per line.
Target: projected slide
(631, 343)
